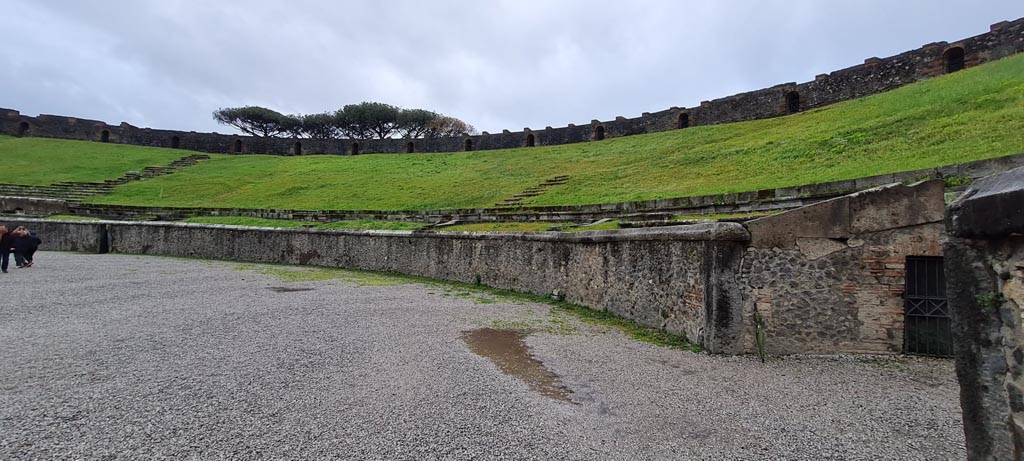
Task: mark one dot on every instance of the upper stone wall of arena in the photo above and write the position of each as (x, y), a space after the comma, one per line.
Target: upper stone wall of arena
(875, 75)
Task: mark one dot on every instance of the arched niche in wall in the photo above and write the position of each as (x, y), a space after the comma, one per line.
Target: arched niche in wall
(954, 59)
(238, 146)
(531, 141)
(410, 147)
(105, 136)
(468, 145)
(684, 120)
(23, 128)
(175, 142)
(599, 133)
(355, 148)
(792, 102)
(297, 149)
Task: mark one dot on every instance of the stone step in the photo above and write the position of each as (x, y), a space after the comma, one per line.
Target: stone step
(75, 190)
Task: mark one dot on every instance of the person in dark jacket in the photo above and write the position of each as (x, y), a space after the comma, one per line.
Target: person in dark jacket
(25, 246)
(6, 246)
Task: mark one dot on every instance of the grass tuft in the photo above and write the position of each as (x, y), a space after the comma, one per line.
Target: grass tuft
(364, 224)
(296, 274)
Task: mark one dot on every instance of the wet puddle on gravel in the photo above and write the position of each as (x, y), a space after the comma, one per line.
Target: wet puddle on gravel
(508, 351)
(288, 289)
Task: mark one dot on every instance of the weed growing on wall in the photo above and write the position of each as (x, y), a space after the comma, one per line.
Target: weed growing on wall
(990, 300)
(759, 336)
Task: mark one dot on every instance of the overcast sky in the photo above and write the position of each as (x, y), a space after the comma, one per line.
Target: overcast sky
(495, 64)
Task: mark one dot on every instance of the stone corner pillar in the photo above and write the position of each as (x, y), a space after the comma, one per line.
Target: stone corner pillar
(985, 287)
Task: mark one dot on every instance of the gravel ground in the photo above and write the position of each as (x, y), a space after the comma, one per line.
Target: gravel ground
(125, 357)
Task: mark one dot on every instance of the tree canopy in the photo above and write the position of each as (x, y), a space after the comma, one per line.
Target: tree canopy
(254, 120)
(365, 120)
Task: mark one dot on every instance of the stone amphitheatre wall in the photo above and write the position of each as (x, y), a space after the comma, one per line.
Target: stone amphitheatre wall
(826, 278)
(678, 279)
(875, 75)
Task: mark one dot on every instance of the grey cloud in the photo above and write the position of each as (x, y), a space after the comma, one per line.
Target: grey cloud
(500, 64)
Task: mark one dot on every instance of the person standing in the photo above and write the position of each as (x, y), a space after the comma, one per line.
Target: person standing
(6, 246)
(25, 246)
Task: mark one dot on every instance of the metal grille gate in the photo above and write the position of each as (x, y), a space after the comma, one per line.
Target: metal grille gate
(927, 324)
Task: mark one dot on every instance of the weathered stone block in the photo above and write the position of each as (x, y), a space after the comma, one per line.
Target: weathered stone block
(992, 206)
(897, 206)
(872, 210)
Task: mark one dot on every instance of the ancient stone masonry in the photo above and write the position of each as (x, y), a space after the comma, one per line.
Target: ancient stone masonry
(678, 279)
(875, 75)
(829, 277)
(826, 278)
(985, 273)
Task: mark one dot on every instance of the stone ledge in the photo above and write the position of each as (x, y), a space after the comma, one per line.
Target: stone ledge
(725, 231)
(992, 207)
(887, 207)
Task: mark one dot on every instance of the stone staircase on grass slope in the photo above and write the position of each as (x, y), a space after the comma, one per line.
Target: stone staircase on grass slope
(516, 201)
(78, 191)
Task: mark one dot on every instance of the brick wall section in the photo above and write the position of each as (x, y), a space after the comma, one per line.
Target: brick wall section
(874, 76)
(829, 278)
(849, 301)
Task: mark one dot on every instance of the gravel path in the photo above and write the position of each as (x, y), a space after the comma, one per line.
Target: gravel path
(124, 357)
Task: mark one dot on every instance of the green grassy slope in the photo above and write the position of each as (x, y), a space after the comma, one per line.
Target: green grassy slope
(41, 161)
(974, 114)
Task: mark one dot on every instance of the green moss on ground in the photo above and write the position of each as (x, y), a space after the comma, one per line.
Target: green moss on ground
(365, 224)
(71, 217)
(484, 295)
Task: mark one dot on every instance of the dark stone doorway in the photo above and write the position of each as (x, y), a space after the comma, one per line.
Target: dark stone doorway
(792, 102)
(954, 58)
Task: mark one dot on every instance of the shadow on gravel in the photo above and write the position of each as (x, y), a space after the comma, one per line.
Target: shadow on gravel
(288, 289)
(508, 351)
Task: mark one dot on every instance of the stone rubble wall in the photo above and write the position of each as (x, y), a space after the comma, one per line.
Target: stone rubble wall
(679, 279)
(826, 278)
(829, 278)
(985, 286)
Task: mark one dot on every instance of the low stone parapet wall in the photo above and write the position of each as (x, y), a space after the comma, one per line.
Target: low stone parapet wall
(32, 205)
(679, 279)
